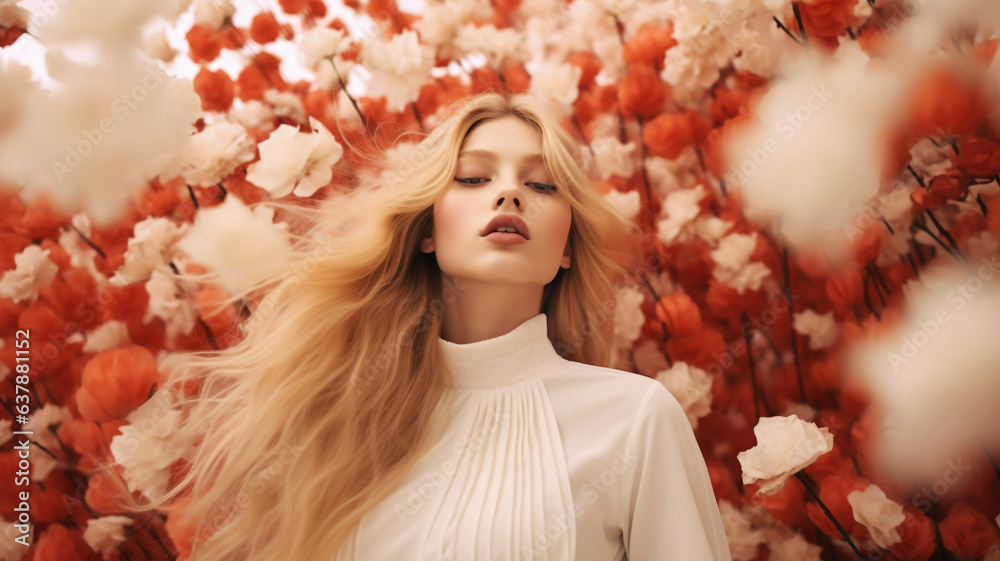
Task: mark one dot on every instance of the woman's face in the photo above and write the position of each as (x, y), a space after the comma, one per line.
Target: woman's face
(500, 174)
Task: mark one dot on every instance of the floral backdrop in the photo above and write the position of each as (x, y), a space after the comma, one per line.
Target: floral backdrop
(816, 185)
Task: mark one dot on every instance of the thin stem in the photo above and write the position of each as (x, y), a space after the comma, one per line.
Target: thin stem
(829, 515)
(782, 27)
(791, 316)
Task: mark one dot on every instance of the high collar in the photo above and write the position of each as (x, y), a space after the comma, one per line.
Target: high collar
(519, 355)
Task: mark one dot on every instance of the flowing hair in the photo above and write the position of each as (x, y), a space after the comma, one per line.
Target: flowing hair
(327, 400)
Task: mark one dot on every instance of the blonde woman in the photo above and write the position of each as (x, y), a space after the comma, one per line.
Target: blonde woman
(433, 384)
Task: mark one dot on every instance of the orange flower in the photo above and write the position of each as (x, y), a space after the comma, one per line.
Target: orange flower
(115, 382)
(670, 133)
(589, 64)
(264, 28)
(106, 491)
(316, 8)
(833, 491)
(215, 88)
(917, 533)
(680, 313)
(824, 20)
(698, 349)
(204, 43)
(978, 156)
(59, 543)
(984, 51)
(292, 6)
(942, 102)
(222, 322)
(844, 288)
(649, 46)
(951, 184)
(966, 531)
(642, 93)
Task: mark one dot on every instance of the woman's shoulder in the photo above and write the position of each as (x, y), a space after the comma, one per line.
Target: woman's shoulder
(602, 383)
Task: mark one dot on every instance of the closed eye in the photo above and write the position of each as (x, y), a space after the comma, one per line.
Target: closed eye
(473, 181)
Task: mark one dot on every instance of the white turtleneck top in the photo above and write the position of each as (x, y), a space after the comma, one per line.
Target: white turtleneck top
(549, 459)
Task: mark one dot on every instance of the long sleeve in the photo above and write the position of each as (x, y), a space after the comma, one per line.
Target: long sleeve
(668, 509)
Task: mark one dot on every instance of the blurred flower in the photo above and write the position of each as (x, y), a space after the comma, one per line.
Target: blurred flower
(692, 387)
(733, 266)
(262, 247)
(626, 204)
(33, 271)
(821, 329)
(149, 249)
(628, 315)
(680, 208)
(105, 533)
(399, 68)
(214, 153)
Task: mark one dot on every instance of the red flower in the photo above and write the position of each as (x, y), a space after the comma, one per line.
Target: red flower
(917, 533)
(649, 46)
(833, 491)
(966, 531)
(59, 543)
(670, 133)
(204, 43)
(680, 313)
(264, 28)
(978, 155)
(115, 382)
(642, 93)
(589, 64)
(944, 103)
(951, 184)
(215, 88)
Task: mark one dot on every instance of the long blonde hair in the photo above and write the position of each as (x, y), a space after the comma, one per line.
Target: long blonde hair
(322, 408)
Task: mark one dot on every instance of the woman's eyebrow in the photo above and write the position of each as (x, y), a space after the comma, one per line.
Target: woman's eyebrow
(488, 155)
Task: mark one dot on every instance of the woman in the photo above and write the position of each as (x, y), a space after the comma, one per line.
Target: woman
(434, 383)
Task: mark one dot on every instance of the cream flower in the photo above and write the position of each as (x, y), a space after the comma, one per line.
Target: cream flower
(263, 247)
(680, 208)
(150, 444)
(733, 266)
(785, 445)
(399, 68)
(110, 334)
(626, 204)
(878, 513)
(213, 13)
(613, 157)
(32, 271)
(171, 303)
(149, 248)
(692, 387)
(157, 46)
(42, 419)
(252, 114)
(499, 46)
(557, 83)
(10, 549)
(215, 152)
(294, 162)
(321, 42)
(628, 316)
(821, 329)
(743, 536)
(105, 533)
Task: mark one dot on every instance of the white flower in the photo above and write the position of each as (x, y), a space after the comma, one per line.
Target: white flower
(285, 104)
(149, 248)
(628, 316)
(499, 46)
(878, 513)
(48, 415)
(157, 46)
(733, 266)
(321, 42)
(613, 157)
(821, 329)
(240, 245)
(792, 546)
(680, 208)
(105, 533)
(712, 229)
(626, 204)
(150, 444)
(294, 162)
(213, 13)
(253, 114)
(438, 23)
(32, 271)
(692, 387)
(785, 445)
(744, 539)
(215, 152)
(556, 81)
(108, 335)
(399, 68)
(934, 375)
(169, 302)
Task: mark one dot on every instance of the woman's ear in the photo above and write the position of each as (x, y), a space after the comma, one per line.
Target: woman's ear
(565, 259)
(427, 245)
